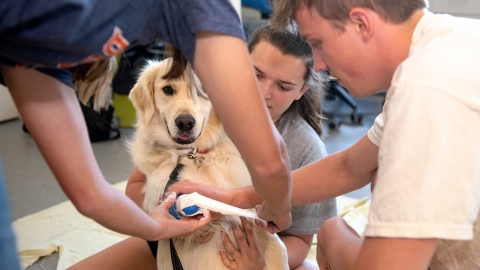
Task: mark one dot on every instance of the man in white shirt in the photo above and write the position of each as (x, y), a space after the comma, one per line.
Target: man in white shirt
(424, 149)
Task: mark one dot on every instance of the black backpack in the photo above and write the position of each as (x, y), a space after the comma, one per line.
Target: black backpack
(99, 124)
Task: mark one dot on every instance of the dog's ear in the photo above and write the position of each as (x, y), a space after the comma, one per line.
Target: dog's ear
(142, 97)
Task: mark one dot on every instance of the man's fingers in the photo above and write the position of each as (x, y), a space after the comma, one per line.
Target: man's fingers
(182, 187)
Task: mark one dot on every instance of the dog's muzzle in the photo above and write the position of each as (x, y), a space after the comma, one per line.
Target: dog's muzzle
(185, 124)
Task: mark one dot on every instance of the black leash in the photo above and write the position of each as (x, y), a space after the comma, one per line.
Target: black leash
(177, 264)
(172, 179)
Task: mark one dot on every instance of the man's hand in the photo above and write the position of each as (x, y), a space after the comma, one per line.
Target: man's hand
(187, 186)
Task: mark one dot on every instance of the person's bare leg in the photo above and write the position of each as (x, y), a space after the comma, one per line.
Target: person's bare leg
(132, 253)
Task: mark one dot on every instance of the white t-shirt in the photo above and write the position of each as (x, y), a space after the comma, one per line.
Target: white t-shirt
(428, 182)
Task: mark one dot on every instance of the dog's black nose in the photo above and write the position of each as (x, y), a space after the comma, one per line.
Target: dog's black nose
(185, 122)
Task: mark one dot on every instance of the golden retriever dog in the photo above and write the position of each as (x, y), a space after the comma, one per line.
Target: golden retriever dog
(177, 124)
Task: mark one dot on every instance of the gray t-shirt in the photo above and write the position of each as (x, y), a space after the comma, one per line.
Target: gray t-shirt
(304, 146)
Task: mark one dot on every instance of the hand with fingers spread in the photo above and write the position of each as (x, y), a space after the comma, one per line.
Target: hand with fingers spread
(173, 227)
(247, 256)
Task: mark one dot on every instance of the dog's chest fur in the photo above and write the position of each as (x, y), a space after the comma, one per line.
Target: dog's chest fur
(223, 167)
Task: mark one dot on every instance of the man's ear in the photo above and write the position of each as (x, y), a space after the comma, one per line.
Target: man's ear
(364, 20)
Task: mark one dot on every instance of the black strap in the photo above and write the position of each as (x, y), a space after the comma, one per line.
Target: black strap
(172, 179)
(177, 264)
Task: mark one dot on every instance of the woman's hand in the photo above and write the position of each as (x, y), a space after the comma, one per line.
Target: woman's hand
(247, 256)
(278, 222)
(171, 227)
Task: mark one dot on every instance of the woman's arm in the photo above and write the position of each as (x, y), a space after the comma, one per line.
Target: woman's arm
(52, 113)
(223, 65)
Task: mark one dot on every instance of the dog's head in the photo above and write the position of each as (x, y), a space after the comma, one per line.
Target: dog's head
(174, 112)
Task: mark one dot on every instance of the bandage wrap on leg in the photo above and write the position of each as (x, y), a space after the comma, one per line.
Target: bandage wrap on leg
(194, 204)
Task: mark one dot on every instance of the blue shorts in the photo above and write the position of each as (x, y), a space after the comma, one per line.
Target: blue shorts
(62, 75)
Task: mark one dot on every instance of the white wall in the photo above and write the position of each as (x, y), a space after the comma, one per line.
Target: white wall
(460, 8)
(237, 4)
(7, 108)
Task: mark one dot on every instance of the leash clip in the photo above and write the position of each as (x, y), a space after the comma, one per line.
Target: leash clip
(197, 160)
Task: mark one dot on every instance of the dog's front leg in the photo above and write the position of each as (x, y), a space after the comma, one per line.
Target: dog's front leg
(275, 253)
(154, 187)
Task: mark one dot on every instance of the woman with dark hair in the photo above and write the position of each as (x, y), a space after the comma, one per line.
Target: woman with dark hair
(293, 92)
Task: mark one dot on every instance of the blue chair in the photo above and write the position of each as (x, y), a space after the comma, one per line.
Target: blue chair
(262, 5)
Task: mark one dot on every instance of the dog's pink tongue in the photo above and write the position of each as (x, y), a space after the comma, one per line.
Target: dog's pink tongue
(184, 137)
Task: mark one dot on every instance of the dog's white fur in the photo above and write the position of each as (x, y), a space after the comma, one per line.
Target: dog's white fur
(157, 144)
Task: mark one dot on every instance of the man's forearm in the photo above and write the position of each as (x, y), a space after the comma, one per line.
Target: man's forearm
(336, 174)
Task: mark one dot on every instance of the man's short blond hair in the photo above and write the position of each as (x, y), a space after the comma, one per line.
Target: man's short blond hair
(337, 11)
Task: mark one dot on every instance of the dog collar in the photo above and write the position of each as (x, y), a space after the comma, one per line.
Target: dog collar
(197, 160)
(203, 151)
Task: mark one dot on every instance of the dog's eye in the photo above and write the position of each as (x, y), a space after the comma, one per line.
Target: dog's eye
(168, 90)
